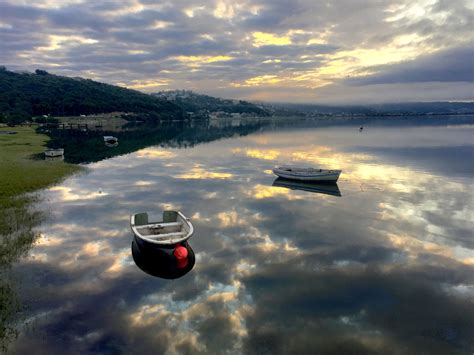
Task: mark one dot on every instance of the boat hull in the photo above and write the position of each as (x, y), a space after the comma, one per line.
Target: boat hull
(54, 152)
(161, 262)
(325, 187)
(144, 244)
(328, 176)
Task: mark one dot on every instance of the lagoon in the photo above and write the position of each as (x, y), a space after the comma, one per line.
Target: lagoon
(387, 266)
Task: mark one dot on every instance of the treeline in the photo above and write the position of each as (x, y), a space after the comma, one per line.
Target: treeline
(23, 95)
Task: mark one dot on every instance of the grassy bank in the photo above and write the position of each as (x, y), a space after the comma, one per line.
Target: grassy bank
(19, 173)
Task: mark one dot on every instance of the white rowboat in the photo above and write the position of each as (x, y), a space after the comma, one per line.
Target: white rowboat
(306, 174)
(175, 228)
(54, 152)
(110, 139)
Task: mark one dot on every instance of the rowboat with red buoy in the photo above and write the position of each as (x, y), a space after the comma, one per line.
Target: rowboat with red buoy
(175, 228)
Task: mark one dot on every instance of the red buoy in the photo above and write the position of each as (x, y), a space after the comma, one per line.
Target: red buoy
(181, 255)
(180, 252)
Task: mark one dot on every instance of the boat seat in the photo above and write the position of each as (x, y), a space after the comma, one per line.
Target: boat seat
(161, 225)
(167, 235)
(170, 216)
(164, 225)
(141, 219)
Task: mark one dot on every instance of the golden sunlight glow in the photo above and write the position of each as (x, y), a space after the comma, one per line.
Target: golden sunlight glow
(271, 61)
(224, 10)
(270, 154)
(263, 191)
(230, 219)
(414, 247)
(155, 153)
(259, 80)
(120, 260)
(147, 315)
(199, 173)
(191, 11)
(136, 51)
(57, 42)
(412, 12)
(146, 84)
(91, 249)
(143, 183)
(69, 194)
(269, 39)
(203, 59)
(357, 62)
(228, 9)
(160, 24)
(133, 7)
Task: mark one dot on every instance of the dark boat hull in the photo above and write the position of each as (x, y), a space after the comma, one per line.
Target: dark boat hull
(327, 188)
(160, 262)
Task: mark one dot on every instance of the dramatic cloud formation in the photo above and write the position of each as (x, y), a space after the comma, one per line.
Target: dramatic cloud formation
(307, 51)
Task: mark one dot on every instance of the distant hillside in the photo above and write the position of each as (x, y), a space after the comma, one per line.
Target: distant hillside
(409, 109)
(426, 108)
(203, 105)
(23, 95)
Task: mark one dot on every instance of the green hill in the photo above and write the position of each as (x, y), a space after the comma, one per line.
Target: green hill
(23, 95)
(203, 105)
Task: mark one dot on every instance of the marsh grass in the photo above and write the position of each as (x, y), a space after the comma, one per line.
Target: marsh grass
(22, 171)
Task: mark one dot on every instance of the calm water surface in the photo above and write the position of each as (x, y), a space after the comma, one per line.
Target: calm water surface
(386, 267)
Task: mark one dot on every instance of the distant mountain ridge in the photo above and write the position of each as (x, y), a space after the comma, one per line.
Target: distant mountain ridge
(23, 95)
(393, 109)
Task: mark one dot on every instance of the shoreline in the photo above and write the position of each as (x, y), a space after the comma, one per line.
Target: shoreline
(23, 174)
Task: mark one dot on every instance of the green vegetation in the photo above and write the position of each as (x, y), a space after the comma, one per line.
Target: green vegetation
(23, 95)
(19, 174)
(22, 174)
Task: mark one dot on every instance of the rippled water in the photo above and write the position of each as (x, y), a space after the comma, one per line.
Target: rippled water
(387, 266)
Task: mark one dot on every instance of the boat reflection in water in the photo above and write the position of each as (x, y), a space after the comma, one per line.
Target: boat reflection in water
(166, 263)
(320, 188)
(56, 158)
(111, 144)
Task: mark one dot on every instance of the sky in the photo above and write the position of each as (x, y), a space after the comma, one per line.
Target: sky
(335, 52)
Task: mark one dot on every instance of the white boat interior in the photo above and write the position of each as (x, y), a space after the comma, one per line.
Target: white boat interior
(305, 170)
(174, 228)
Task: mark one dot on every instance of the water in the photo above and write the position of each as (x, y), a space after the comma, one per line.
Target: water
(386, 267)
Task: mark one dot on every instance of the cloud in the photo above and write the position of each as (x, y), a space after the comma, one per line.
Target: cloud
(452, 65)
(308, 46)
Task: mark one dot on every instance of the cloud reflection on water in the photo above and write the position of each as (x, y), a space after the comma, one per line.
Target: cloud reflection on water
(277, 270)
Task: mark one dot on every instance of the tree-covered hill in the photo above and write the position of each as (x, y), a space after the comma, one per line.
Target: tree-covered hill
(23, 95)
(202, 105)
